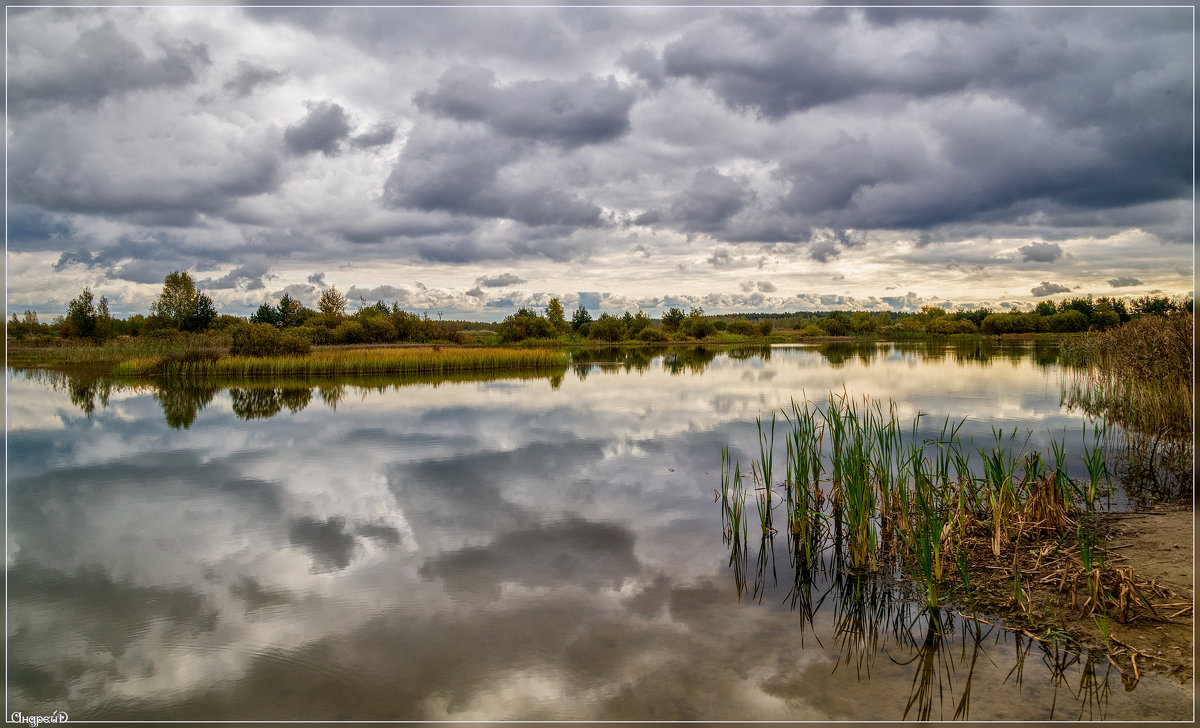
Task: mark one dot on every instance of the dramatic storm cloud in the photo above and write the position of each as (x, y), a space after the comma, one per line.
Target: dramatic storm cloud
(736, 159)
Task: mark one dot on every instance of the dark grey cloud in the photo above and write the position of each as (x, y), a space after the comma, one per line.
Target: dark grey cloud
(323, 129)
(101, 62)
(249, 76)
(825, 245)
(888, 16)
(1123, 281)
(710, 200)
(142, 259)
(459, 171)
(303, 292)
(1046, 288)
(30, 227)
(249, 276)
(699, 134)
(59, 165)
(1040, 252)
(720, 258)
(500, 281)
(644, 63)
(587, 111)
(357, 295)
(379, 134)
(781, 63)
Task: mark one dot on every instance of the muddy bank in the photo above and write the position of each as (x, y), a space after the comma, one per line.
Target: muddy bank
(1159, 545)
(1144, 618)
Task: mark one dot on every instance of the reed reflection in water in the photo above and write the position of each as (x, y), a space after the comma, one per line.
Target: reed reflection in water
(878, 616)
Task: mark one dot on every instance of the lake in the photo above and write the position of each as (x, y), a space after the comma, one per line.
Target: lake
(542, 548)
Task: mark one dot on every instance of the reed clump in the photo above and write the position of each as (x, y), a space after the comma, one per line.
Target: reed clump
(975, 520)
(1140, 376)
(348, 362)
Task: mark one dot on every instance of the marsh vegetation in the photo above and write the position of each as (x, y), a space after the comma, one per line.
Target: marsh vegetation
(993, 524)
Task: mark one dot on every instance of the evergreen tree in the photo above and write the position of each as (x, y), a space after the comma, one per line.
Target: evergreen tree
(580, 319)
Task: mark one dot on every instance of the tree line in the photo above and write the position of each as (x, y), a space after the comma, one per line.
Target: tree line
(290, 326)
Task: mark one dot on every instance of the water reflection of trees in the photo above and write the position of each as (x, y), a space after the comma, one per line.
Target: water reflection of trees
(983, 351)
(86, 391)
(694, 359)
(181, 403)
(874, 616)
(181, 400)
(266, 402)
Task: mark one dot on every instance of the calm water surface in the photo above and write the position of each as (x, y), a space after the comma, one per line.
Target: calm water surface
(543, 548)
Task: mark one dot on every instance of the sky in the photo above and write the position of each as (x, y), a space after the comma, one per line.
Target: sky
(472, 160)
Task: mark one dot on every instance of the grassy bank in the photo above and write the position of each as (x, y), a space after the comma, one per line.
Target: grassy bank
(344, 362)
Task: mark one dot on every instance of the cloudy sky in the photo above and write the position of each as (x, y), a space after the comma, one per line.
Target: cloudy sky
(470, 160)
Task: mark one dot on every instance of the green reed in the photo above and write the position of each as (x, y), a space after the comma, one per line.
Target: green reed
(886, 489)
(763, 471)
(1097, 468)
(802, 487)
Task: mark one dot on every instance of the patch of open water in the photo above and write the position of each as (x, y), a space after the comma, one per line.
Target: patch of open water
(539, 548)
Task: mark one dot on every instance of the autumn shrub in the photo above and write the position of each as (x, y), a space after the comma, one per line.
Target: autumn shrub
(266, 340)
(652, 335)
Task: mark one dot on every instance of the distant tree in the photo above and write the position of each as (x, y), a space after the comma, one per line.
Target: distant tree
(104, 321)
(672, 319)
(1046, 308)
(638, 323)
(524, 324)
(862, 323)
(332, 303)
(556, 316)
(696, 324)
(1153, 305)
(266, 314)
(975, 316)
(81, 315)
(181, 306)
(837, 323)
(30, 317)
(742, 327)
(883, 318)
(580, 319)
(1084, 306)
(290, 311)
(945, 325)
(607, 328)
(1068, 321)
(932, 312)
(1114, 304)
